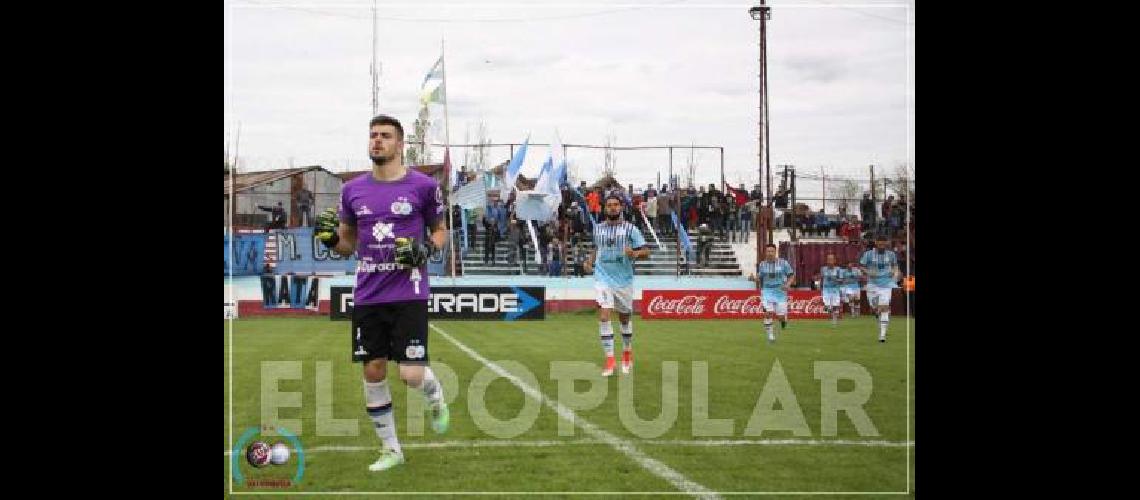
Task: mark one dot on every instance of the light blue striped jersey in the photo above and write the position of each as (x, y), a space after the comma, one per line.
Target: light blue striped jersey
(774, 274)
(832, 277)
(879, 267)
(611, 266)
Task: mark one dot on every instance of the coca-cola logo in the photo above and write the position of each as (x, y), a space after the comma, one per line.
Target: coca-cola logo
(748, 305)
(813, 305)
(727, 304)
(689, 304)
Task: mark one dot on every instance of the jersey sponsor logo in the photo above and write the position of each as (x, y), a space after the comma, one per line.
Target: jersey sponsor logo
(383, 230)
(378, 267)
(363, 211)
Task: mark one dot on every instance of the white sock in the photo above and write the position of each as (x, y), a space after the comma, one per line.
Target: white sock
(768, 326)
(884, 318)
(431, 387)
(378, 404)
(606, 331)
(627, 335)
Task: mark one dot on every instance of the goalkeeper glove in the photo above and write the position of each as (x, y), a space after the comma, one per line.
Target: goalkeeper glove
(411, 252)
(327, 224)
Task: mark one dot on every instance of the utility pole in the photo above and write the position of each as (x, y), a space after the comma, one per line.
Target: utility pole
(793, 205)
(763, 13)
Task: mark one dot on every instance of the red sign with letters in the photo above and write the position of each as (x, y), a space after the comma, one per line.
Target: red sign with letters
(724, 304)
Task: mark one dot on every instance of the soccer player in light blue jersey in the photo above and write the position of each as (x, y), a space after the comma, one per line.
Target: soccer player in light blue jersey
(616, 244)
(832, 277)
(774, 276)
(882, 268)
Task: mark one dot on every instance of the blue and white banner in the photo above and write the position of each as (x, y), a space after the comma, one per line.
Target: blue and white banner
(246, 256)
(471, 195)
(298, 251)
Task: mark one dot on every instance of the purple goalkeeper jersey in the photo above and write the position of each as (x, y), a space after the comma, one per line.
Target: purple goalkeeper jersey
(382, 212)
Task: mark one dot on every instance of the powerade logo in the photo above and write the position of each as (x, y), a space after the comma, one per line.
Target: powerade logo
(463, 302)
(512, 305)
(258, 456)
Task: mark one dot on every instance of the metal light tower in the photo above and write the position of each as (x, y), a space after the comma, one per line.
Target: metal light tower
(763, 13)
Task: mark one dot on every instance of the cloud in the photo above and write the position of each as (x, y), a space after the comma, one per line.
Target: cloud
(301, 83)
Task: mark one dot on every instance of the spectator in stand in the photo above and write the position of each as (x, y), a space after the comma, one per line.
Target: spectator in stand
(807, 222)
(650, 192)
(703, 202)
(705, 239)
(756, 194)
(885, 221)
(724, 208)
(555, 252)
(473, 217)
(577, 223)
(518, 242)
(687, 213)
(491, 236)
(822, 225)
(567, 198)
(499, 212)
(747, 214)
(651, 208)
(276, 216)
(867, 210)
(898, 214)
(304, 206)
(581, 252)
(665, 207)
(594, 202)
(635, 213)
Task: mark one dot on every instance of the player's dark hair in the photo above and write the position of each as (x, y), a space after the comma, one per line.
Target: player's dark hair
(388, 120)
(770, 245)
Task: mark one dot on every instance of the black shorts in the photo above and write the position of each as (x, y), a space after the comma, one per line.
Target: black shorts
(396, 331)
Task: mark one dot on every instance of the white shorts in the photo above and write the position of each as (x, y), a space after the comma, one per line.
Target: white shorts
(830, 298)
(774, 301)
(879, 296)
(619, 299)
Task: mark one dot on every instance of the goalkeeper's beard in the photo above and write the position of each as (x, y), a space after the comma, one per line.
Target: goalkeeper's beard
(610, 216)
(381, 161)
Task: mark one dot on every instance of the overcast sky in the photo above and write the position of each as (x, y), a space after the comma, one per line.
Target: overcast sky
(649, 73)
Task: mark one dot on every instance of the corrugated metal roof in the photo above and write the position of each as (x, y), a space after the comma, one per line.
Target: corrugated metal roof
(429, 169)
(242, 182)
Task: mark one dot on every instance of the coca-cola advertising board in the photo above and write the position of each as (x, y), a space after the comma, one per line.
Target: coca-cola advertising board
(724, 304)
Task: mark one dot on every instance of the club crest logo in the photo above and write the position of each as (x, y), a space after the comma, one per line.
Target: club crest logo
(401, 206)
